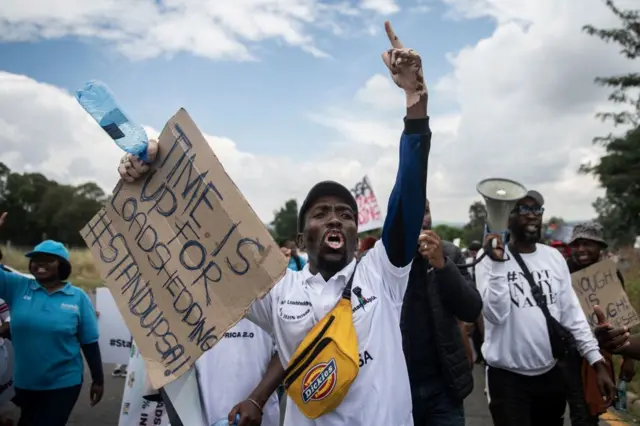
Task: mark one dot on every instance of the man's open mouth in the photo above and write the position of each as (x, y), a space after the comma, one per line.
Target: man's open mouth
(532, 228)
(334, 239)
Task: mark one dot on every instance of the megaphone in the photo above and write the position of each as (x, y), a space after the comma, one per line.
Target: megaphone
(500, 197)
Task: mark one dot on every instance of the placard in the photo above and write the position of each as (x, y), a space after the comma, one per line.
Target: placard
(182, 252)
(369, 216)
(115, 338)
(599, 285)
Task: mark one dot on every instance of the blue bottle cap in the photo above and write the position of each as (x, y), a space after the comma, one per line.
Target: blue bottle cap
(225, 422)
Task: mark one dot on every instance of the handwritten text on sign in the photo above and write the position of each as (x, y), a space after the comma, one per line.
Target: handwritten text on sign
(599, 285)
(182, 252)
(369, 216)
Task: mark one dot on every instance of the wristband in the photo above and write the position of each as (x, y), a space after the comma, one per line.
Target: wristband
(256, 404)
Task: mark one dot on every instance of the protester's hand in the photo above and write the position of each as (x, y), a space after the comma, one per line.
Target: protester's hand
(95, 394)
(405, 66)
(430, 248)
(627, 369)
(131, 167)
(250, 414)
(496, 245)
(612, 340)
(605, 383)
(286, 252)
(3, 217)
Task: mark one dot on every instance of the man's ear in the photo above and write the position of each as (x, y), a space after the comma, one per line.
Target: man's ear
(300, 241)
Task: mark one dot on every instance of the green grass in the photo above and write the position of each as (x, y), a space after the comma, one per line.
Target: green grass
(84, 273)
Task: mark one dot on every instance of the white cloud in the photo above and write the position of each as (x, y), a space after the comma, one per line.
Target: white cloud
(385, 7)
(526, 104)
(525, 110)
(208, 28)
(44, 129)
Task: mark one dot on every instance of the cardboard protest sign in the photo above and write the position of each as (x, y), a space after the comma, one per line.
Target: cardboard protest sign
(599, 285)
(115, 338)
(182, 252)
(369, 216)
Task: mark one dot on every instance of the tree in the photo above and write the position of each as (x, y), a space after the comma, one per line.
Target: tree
(619, 169)
(285, 222)
(474, 230)
(41, 208)
(448, 232)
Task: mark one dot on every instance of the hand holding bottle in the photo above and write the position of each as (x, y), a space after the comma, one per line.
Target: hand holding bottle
(132, 167)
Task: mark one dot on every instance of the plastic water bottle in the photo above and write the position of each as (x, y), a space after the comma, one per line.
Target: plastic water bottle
(96, 98)
(621, 401)
(225, 422)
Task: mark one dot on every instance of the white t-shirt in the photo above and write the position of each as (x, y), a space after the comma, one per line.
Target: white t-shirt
(381, 394)
(516, 336)
(230, 371)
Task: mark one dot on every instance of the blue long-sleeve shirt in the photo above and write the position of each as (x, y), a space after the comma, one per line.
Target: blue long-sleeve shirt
(407, 201)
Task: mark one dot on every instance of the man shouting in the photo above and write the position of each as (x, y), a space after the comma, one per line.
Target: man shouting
(328, 232)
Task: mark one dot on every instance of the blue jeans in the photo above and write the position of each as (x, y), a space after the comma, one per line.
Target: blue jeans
(433, 406)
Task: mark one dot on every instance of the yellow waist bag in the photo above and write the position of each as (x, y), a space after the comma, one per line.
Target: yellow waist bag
(326, 363)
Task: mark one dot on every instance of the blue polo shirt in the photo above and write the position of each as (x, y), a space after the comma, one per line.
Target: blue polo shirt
(47, 331)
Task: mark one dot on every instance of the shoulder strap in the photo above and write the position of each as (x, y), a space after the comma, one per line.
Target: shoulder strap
(536, 291)
(346, 293)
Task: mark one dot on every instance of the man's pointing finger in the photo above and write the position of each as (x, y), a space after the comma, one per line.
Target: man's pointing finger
(393, 38)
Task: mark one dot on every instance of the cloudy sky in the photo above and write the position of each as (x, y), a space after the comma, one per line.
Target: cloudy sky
(290, 92)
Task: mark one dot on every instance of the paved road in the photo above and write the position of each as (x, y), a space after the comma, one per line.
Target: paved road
(106, 413)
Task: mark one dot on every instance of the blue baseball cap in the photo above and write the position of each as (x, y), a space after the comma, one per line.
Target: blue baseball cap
(51, 247)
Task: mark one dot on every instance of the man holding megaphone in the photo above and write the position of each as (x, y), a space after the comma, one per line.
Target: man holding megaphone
(534, 327)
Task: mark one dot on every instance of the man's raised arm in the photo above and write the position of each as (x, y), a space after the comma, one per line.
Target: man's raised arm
(407, 201)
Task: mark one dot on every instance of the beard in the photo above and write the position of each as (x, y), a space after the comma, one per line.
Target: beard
(521, 234)
(332, 266)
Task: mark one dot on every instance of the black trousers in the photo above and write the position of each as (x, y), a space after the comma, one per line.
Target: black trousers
(518, 400)
(476, 338)
(46, 408)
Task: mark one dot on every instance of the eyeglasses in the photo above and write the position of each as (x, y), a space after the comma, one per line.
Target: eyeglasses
(525, 210)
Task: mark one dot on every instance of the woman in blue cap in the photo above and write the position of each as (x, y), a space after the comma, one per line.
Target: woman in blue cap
(52, 324)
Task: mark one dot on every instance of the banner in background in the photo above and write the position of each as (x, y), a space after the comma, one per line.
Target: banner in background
(115, 338)
(369, 216)
(135, 410)
(182, 252)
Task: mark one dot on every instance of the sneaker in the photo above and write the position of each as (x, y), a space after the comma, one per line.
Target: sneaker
(120, 371)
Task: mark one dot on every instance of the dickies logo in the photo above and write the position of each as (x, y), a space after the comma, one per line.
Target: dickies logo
(69, 307)
(319, 381)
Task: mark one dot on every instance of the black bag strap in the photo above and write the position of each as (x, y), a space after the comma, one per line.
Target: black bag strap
(346, 293)
(536, 291)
